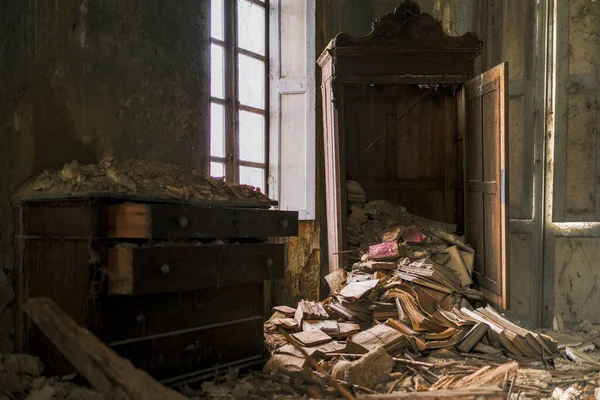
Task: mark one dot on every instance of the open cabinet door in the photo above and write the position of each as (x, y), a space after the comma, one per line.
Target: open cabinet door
(486, 185)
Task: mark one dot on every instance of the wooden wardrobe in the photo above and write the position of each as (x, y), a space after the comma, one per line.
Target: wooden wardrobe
(406, 118)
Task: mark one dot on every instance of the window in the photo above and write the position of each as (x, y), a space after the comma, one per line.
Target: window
(263, 58)
(239, 91)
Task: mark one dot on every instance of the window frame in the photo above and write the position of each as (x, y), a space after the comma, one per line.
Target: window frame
(231, 104)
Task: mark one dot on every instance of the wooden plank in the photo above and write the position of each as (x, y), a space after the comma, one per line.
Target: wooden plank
(184, 352)
(383, 64)
(402, 184)
(129, 221)
(335, 184)
(449, 128)
(66, 219)
(120, 270)
(127, 317)
(473, 393)
(51, 265)
(178, 268)
(138, 221)
(110, 374)
(487, 167)
(461, 133)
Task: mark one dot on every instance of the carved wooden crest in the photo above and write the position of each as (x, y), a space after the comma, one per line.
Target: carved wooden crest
(408, 28)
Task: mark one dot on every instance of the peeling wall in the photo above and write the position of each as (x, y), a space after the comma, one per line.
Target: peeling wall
(573, 239)
(83, 79)
(554, 92)
(302, 279)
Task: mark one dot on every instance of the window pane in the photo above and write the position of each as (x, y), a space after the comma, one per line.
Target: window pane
(251, 27)
(253, 176)
(216, 19)
(251, 81)
(217, 71)
(252, 137)
(217, 130)
(217, 169)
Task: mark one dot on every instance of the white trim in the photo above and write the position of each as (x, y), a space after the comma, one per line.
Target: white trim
(274, 99)
(291, 86)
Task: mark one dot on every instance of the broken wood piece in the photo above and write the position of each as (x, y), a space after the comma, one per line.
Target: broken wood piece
(469, 259)
(448, 237)
(384, 251)
(284, 361)
(485, 349)
(292, 350)
(111, 375)
(357, 290)
(381, 277)
(378, 336)
(288, 311)
(472, 338)
(346, 329)
(580, 357)
(412, 234)
(368, 371)
(287, 323)
(328, 326)
(392, 235)
(336, 280)
(313, 363)
(489, 376)
(309, 310)
(381, 265)
(402, 317)
(312, 338)
(401, 326)
(458, 265)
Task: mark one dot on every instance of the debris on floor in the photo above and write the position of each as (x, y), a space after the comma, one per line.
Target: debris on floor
(21, 378)
(405, 320)
(137, 178)
(112, 375)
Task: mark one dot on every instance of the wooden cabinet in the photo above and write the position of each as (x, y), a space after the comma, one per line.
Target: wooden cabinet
(405, 117)
(177, 289)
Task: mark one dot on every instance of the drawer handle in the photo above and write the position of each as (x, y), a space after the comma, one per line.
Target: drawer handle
(269, 262)
(165, 269)
(183, 222)
(284, 223)
(140, 318)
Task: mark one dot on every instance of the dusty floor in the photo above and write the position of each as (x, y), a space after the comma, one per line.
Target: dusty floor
(558, 378)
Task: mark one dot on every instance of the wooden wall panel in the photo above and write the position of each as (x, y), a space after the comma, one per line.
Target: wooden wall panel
(521, 290)
(520, 180)
(414, 161)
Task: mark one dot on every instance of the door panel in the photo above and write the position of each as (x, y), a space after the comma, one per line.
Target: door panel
(486, 174)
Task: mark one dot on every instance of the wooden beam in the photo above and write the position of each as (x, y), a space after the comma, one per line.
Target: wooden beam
(111, 375)
(473, 393)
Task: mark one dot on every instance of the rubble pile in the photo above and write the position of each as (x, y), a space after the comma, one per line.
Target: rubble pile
(138, 178)
(21, 378)
(368, 222)
(408, 301)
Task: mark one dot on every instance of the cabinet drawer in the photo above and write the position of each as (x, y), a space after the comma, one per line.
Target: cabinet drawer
(178, 268)
(168, 356)
(147, 221)
(129, 317)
